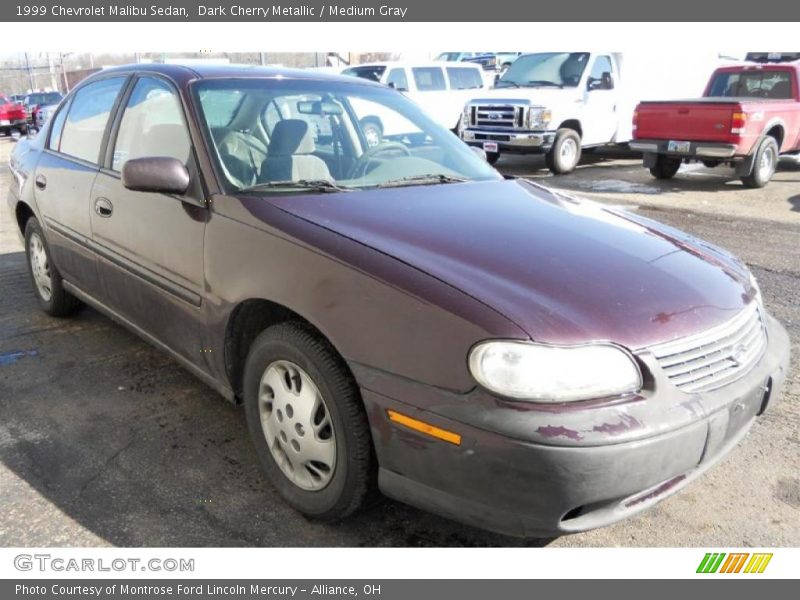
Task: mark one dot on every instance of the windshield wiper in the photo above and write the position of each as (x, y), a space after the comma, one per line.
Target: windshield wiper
(543, 82)
(508, 81)
(313, 185)
(431, 179)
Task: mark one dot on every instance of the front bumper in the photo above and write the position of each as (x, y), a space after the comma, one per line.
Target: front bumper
(711, 150)
(527, 471)
(520, 142)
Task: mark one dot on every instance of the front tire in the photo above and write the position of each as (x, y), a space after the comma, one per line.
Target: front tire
(764, 165)
(48, 285)
(565, 153)
(666, 167)
(308, 423)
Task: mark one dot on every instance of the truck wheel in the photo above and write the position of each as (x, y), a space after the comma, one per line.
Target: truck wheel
(764, 165)
(47, 282)
(307, 422)
(665, 167)
(565, 153)
(492, 157)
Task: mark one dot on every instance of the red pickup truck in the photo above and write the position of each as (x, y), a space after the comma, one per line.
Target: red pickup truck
(12, 116)
(748, 116)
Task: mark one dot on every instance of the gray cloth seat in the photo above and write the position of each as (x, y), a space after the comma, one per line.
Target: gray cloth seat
(290, 154)
(242, 154)
(781, 90)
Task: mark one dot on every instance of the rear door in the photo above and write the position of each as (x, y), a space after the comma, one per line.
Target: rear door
(65, 175)
(150, 245)
(432, 94)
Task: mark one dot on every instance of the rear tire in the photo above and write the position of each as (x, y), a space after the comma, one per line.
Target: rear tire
(666, 167)
(48, 285)
(565, 153)
(492, 157)
(764, 165)
(293, 441)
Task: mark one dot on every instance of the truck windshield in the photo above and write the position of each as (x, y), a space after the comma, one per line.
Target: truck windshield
(752, 84)
(284, 135)
(562, 69)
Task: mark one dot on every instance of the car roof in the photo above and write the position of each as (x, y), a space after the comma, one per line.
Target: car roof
(182, 73)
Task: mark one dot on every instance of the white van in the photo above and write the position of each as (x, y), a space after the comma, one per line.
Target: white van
(440, 88)
(559, 103)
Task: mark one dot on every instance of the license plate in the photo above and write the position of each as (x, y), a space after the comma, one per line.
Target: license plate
(5, 122)
(490, 146)
(674, 146)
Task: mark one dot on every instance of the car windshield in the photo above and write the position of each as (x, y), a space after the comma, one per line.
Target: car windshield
(370, 72)
(285, 134)
(753, 84)
(557, 69)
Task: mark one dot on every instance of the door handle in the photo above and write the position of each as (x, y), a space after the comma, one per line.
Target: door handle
(103, 207)
(40, 181)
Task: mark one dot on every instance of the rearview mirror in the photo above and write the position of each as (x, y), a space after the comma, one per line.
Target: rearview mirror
(155, 174)
(318, 107)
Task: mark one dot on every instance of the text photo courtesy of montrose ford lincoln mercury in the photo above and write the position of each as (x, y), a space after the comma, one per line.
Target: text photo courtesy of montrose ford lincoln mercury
(394, 315)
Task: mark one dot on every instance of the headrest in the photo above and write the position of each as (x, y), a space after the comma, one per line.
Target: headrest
(291, 136)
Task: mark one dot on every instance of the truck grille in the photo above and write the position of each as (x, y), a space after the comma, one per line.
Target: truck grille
(497, 115)
(714, 358)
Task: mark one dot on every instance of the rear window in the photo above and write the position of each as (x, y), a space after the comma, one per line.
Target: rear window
(464, 78)
(776, 85)
(429, 79)
(371, 72)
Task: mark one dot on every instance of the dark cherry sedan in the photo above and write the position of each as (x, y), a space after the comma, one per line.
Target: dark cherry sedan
(394, 315)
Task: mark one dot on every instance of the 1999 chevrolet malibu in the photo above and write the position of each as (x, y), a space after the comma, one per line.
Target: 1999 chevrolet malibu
(394, 315)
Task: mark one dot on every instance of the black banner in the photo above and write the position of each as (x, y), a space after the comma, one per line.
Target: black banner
(402, 10)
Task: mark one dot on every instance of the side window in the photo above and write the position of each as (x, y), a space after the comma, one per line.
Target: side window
(86, 122)
(429, 79)
(464, 78)
(57, 127)
(601, 66)
(152, 125)
(398, 78)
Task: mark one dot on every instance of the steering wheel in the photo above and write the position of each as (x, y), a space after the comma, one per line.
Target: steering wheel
(359, 168)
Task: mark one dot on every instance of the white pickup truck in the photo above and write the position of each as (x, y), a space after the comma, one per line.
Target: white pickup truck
(559, 103)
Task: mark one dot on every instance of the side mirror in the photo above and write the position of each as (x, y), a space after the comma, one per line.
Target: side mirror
(480, 152)
(155, 174)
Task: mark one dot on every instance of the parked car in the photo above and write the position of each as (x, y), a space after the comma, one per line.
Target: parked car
(440, 88)
(457, 56)
(495, 61)
(748, 116)
(559, 103)
(12, 116)
(397, 316)
(36, 102)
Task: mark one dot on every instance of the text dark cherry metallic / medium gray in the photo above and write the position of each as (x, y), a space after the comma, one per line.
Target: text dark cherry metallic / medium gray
(327, 313)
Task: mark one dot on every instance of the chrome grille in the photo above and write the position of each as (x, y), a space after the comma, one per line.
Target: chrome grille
(715, 357)
(497, 115)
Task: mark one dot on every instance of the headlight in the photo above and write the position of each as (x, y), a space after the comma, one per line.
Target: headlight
(759, 298)
(465, 117)
(538, 117)
(541, 373)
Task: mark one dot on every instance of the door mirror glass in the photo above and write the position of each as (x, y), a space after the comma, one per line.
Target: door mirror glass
(155, 174)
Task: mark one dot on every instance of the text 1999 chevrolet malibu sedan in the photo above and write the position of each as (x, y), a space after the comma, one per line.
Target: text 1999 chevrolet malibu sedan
(394, 316)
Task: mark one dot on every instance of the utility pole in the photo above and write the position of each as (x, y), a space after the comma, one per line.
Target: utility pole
(30, 73)
(64, 73)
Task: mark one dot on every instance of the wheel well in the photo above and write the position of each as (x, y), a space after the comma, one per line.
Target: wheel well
(23, 213)
(246, 322)
(573, 124)
(776, 132)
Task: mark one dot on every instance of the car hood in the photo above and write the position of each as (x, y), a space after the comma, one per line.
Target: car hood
(563, 269)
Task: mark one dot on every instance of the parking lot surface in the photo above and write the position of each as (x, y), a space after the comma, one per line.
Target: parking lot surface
(106, 441)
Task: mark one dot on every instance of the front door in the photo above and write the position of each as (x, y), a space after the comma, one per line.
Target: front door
(601, 115)
(150, 245)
